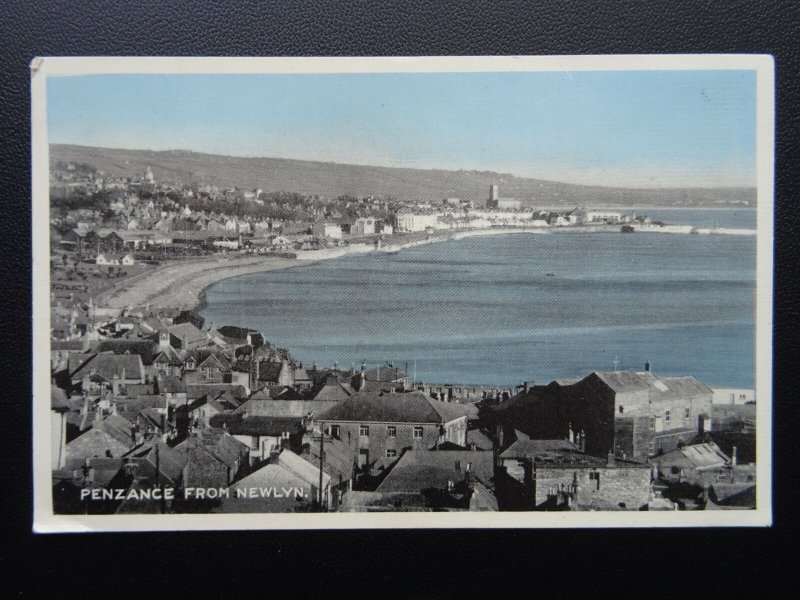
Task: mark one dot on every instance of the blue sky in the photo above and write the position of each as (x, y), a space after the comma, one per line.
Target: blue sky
(637, 128)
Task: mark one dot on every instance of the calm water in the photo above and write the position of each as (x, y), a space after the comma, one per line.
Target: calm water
(488, 311)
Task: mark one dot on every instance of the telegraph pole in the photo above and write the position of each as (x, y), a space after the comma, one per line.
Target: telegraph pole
(321, 460)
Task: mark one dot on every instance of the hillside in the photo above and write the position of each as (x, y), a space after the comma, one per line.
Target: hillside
(334, 179)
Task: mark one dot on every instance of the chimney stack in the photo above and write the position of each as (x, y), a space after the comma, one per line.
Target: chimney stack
(734, 458)
(647, 366)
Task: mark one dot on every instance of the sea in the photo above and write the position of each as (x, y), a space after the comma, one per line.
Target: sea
(500, 310)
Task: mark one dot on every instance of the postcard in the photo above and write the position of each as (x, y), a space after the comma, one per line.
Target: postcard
(447, 292)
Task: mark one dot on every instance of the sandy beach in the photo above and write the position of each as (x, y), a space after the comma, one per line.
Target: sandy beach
(182, 284)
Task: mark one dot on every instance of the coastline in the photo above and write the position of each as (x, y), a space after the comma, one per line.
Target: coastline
(184, 284)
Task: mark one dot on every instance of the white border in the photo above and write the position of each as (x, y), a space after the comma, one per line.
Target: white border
(46, 521)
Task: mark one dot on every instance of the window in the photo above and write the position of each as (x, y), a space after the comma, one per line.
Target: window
(391, 453)
(651, 448)
(666, 416)
(458, 466)
(686, 413)
(652, 423)
(742, 396)
(418, 433)
(363, 430)
(595, 476)
(391, 431)
(336, 431)
(621, 409)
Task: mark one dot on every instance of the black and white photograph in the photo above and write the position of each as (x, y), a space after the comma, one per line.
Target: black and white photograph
(293, 293)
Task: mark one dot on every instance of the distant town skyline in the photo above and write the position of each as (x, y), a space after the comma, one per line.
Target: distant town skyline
(619, 129)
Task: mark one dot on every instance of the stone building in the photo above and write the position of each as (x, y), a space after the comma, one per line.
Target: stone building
(632, 415)
(556, 475)
(381, 426)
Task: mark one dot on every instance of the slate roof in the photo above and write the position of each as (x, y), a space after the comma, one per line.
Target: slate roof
(698, 456)
(106, 365)
(660, 388)
(481, 441)
(269, 476)
(283, 408)
(215, 361)
(225, 448)
(94, 442)
(554, 453)
(339, 457)
(58, 399)
(213, 390)
(147, 348)
(269, 370)
(335, 391)
(235, 333)
(409, 407)
(171, 385)
(302, 468)
(171, 463)
(118, 427)
(418, 470)
(239, 424)
(188, 333)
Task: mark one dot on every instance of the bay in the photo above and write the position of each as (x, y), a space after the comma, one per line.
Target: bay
(499, 310)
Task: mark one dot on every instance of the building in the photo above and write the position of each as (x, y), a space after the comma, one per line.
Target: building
(496, 202)
(442, 480)
(381, 426)
(327, 229)
(264, 436)
(409, 221)
(271, 489)
(556, 475)
(630, 414)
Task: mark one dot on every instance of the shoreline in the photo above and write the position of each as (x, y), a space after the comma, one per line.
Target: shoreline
(184, 284)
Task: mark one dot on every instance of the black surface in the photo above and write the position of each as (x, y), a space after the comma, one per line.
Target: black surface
(405, 564)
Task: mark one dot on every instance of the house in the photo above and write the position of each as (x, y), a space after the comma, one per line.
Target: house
(146, 348)
(381, 426)
(271, 489)
(339, 462)
(267, 372)
(119, 369)
(631, 414)
(310, 474)
(214, 368)
(93, 443)
(333, 390)
(187, 335)
(214, 459)
(686, 462)
(263, 435)
(556, 475)
(440, 480)
(327, 229)
(158, 464)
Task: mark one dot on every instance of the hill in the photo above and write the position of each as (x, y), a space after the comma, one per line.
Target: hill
(334, 179)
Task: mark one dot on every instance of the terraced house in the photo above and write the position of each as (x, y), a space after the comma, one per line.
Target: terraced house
(381, 426)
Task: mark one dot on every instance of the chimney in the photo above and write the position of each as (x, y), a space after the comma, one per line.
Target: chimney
(647, 366)
(734, 458)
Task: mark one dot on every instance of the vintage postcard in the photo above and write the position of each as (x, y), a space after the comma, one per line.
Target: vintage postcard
(402, 292)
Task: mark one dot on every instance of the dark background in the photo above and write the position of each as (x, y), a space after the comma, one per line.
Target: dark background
(397, 564)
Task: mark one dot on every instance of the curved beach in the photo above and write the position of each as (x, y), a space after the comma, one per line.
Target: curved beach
(182, 284)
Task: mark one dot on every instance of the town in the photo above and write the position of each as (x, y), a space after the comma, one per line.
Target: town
(155, 411)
